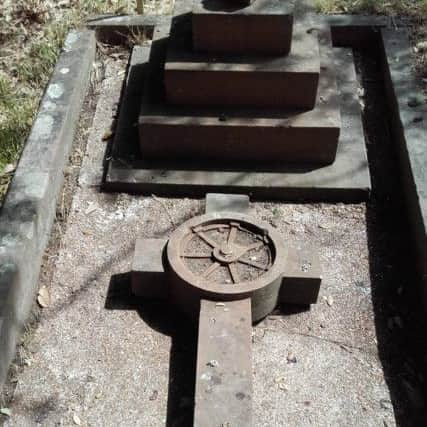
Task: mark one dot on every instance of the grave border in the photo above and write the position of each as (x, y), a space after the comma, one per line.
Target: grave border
(24, 236)
(29, 209)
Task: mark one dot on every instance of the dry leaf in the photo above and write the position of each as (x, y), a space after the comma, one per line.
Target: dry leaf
(283, 386)
(9, 168)
(291, 358)
(43, 297)
(329, 300)
(77, 420)
(107, 135)
(6, 411)
(91, 208)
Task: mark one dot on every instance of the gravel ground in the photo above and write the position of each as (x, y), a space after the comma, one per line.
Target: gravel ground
(97, 358)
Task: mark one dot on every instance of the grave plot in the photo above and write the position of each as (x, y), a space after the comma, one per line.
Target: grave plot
(209, 311)
(221, 112)
(108, 357)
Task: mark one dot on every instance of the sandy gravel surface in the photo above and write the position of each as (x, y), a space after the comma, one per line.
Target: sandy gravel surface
(130, 364)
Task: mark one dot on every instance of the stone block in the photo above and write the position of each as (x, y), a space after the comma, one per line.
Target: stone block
(303, 276)
(224, 365)
(265, 26)
(217, 202)
(286, 81)
(148, 268)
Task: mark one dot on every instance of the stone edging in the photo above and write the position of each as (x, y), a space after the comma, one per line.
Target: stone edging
(29, 208)
(408, 110)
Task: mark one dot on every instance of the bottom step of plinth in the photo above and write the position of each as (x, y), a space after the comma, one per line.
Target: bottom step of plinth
(347, 179)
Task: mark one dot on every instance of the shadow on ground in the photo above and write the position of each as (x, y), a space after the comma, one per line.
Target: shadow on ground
(398, 318)
(164, 318)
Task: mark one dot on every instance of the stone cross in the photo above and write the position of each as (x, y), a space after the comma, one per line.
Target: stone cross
(225, 270)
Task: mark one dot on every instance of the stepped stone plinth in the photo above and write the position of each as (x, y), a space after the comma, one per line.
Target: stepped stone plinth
(247, 134)
(251, 103)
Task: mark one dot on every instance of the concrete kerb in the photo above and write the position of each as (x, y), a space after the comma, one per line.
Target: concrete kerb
(116, 29)
(408, 112)
(28, 211)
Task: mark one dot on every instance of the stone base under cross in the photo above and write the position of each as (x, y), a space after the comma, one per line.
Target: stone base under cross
(226, 270)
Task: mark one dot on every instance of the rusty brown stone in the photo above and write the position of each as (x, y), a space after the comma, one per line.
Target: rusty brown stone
(209, 79)
(264, 26)
(227, 270)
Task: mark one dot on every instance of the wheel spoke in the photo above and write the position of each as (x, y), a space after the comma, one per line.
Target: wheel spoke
(233, 272)
(206, 239)
(232, 234)
(210, 269)
(254, 246)
(199, 256)
(253, 264)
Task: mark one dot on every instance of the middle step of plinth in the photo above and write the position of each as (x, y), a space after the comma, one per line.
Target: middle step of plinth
(206, 79)
(226, 134)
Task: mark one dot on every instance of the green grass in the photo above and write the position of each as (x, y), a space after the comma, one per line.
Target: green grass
(411, 8)
(24, 76)
(16, 112)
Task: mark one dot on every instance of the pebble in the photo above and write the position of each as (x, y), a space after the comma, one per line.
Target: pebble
(386, 404)
(421, 46)
(414, 101)
(291, 358)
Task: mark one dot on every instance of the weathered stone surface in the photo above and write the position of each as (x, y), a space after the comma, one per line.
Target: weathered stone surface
(409, 126)
(302, 276)
(286, 81)
(29, 209)
(224, 378)
(217, 202)
(148, 268)
(265, 26)
(346, 179)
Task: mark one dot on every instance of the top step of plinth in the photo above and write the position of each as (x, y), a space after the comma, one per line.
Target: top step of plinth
(261, 27)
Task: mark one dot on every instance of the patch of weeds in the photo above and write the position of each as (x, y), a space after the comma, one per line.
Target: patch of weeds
(16, 113)
(276, 211)
(414, 12)
(411, 8)
(31, 37)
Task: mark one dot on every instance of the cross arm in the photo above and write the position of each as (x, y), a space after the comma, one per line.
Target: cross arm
(302, 276)
(148, 278)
